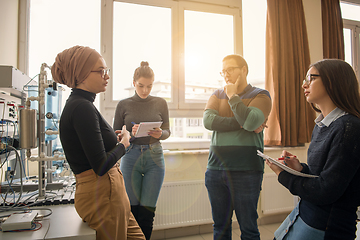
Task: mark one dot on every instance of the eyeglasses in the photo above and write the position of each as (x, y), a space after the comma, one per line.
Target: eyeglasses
(229, 70)
(309, 78)
(103, 72)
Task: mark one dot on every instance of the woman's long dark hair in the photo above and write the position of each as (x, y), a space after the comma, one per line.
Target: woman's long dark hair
(340, 83)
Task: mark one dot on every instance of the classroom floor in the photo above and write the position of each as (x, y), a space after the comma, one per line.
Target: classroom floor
(266, 233)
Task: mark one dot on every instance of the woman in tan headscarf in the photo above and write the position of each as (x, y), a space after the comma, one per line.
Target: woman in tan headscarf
(92, 148)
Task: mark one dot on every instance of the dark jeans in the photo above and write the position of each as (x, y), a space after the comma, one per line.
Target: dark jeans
(234, 190)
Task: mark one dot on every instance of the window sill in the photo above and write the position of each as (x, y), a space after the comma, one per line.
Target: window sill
(199, 146)
(192, 152)
(269, 149)
(185, 144)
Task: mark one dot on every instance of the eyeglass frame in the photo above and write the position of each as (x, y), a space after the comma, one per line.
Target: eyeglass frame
(223, 72)
(308, 79)
(103, 72)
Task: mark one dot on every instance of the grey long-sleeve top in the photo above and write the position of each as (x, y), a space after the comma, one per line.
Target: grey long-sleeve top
(136, 109)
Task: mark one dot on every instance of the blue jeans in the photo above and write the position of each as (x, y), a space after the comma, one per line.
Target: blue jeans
(294, 228)
(143, 168)
(234, 190)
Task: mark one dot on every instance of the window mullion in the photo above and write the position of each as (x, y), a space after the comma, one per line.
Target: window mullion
(107, 105)
(357, 51)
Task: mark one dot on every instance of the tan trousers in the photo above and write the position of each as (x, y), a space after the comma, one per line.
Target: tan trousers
(103, 203)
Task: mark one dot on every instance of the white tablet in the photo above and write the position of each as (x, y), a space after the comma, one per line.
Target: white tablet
(145, 127)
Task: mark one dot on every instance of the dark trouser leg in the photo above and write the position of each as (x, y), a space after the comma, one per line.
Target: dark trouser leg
(135, 211)
(146, 219)
(216, 183)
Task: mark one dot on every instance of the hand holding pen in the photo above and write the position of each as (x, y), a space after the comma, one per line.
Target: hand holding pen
(134, 128)
(291, 161)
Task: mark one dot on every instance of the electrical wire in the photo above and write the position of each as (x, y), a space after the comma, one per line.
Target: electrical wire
(47, 230)
(3, 116)
(21, 177)
(12, 190)
(36, 220)
(16, 127)
(27, 209)
(54, 122)
(44, 200)
(33, 228)
(6, 158)
(26, 85)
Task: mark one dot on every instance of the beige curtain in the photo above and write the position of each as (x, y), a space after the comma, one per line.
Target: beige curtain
(333, 35)
(291, 120)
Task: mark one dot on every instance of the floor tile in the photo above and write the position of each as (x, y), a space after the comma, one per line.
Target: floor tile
(194, 237)
(272, 227)
(207, 236)
(266, 233)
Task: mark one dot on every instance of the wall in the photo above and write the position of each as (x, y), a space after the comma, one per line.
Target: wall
(9, 32)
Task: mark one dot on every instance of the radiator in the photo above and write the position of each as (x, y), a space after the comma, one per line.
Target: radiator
(182, 204)
(274, 197)
(186, 203)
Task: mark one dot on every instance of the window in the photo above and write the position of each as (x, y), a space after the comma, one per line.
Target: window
(193, 122)
(254, 28)
(53, 27)
(351, 18)
(208, 37)
(141, 33)
(50, 32)
(183, 41)
(184, 44)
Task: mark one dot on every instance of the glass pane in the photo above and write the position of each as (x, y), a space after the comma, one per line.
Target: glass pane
(54, 27)
(254, 30)
(350, 11)
(50, 32)
(347, 45)
(209, 37)
(188, 128)
(141, 33)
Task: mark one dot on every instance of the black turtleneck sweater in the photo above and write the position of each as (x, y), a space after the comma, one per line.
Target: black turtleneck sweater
(88, 140)
(136, 109)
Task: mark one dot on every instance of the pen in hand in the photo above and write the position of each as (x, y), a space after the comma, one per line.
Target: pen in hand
(283, 160)
(134, 129)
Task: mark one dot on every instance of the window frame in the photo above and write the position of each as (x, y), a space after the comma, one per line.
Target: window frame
(23, 42)
(357, 2)
(354, 27)
(178, 107)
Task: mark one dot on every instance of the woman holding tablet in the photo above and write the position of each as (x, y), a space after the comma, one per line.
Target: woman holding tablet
(143, 164)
